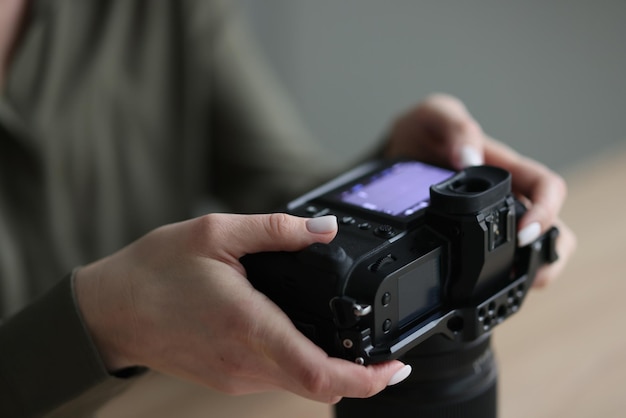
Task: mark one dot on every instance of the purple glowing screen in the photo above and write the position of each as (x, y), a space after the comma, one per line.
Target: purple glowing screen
(400, 190)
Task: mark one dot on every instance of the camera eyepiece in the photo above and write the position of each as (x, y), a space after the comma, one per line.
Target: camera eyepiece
(471, 190)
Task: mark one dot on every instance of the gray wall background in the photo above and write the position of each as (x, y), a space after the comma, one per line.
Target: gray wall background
(546, 77)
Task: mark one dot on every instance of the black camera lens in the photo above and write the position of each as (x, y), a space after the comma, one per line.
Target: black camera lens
(449, 380)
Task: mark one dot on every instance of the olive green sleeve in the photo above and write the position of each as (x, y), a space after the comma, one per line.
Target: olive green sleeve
(48, 361)
(263, 153)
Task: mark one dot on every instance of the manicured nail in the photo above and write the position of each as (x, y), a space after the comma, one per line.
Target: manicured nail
(400, 375)
(322, 225)
(470, 156)
(528, 234)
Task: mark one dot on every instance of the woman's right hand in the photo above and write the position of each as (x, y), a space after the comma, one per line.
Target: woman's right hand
(177, 301)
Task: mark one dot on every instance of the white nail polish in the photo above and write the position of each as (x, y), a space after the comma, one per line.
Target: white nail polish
(322, 225)
(400, 375)
(527, 235)
(470, 156)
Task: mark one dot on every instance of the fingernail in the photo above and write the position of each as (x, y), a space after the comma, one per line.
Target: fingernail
(400, 375)
(528, 234)
(470, 156)
(322, 225)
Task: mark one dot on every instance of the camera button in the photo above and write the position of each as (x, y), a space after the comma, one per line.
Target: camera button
(348, 220)
(311, 210)
(386, 299)
(387, 326)
(385, 231)
(364, 226)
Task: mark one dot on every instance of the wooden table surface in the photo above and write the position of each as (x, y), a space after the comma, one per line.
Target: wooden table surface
(562, 355)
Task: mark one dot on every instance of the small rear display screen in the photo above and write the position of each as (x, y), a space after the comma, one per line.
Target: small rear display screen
(400, 190)
(419, 289)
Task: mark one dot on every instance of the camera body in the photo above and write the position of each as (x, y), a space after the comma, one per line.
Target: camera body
(420, 251)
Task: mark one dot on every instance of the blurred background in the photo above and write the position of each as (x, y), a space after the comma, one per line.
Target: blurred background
(544, 77)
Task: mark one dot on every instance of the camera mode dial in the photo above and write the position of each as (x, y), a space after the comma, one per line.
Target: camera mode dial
(328, 257)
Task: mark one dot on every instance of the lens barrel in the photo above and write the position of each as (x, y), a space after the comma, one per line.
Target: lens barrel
(449, 380)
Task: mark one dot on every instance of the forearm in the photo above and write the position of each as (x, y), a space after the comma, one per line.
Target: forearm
(48, 361)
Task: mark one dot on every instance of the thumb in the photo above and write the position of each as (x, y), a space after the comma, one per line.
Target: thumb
(439, 130)
(246, 234)
(462, 137)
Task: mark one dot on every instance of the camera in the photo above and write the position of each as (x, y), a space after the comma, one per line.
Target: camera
(421, 251)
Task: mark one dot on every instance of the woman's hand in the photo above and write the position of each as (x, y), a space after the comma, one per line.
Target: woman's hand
(440, 130)
(177, 300)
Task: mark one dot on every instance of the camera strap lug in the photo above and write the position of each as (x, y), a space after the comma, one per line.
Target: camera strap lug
(361, 310)
(347, 312)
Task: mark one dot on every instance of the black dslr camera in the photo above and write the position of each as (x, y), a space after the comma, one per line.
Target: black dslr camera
(421, 251)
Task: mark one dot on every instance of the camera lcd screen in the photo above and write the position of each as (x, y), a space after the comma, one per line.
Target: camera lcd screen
(400, 190)
(419, 288)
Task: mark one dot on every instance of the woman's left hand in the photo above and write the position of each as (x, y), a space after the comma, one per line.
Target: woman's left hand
(440, 130)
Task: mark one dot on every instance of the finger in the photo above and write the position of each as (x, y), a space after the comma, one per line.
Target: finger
(441, 131)
(293, 362)
(239, 235)
(545, 190)
(304, 368)
(547, 194)
(326, 379)
(460, 134)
